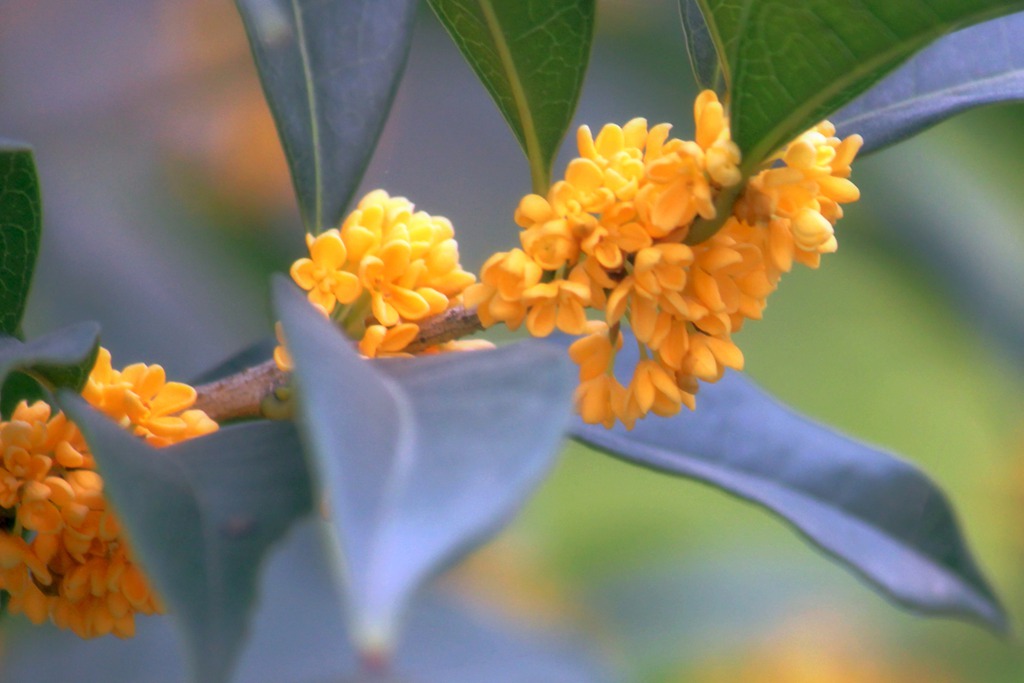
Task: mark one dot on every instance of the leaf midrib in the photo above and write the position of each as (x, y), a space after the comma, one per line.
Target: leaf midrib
(314, 123)
(396, 484)
(538, 170)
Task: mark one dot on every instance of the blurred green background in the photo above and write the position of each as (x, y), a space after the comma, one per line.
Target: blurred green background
(168, 203)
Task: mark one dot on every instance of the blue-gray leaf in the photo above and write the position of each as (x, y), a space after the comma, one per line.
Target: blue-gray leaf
(329, 72)
(975, 66)
(202, 515)
(299, 636)
(448, 640)
(418, 460)
(700, 47)
(979, 267)
(878, 515)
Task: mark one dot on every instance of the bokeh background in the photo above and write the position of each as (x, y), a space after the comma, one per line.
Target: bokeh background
(167, 204)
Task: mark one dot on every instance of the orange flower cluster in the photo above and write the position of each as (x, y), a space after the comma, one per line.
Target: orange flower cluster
(65, 556)
(385, 269)
(612, 236)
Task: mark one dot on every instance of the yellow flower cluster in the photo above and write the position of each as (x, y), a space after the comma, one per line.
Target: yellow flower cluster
(64, 555)
(387, 268)
(612, 236)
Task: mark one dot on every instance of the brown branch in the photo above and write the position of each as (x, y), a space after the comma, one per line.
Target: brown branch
(242, 394)
(453, 324)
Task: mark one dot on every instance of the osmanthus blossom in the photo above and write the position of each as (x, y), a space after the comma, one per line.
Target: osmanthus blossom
(65, 557)
(322, 275)
(385, 269)
(612, 236)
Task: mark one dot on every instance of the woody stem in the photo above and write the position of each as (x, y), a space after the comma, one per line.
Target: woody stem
(241, 395)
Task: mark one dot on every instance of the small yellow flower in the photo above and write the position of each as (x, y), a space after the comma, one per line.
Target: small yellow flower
(559, 303)
(675, 346)
(389, 278)
(322, 273)
(654, 388)
(597, 397)
(141, 397)
(617, 234)
(387, 341)
(504, 280)
(662, 268)
(282, 358)
(548, 238)
(24, 450)
(722, 156)
(618, 152)
(679, 190)
(76, 570)
(582, 191)
(388, 266)
(594, 353)
(813, 232)
(610, 236)
(709, 356)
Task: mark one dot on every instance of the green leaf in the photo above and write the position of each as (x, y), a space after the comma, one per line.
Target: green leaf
(878, 515)
(700, 47)
(420, 460)
(16, 388)
(973, 67)
(201, 516)
(61, 359)
(329, 72)
(21, 224)
(531, 56)
(791, 64)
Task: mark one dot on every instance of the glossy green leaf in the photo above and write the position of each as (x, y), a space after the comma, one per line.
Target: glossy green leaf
(700, 47)
(299, 637)
(59, 359)
(880, 516)
(202, 516)
(21, 224)
(16, 388)
(973, 67)
(531, 56)
(418, 460)
(790, 64)
(329, 72)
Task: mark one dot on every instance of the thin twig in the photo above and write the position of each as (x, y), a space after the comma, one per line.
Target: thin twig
(453, 324)
(241, 395)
